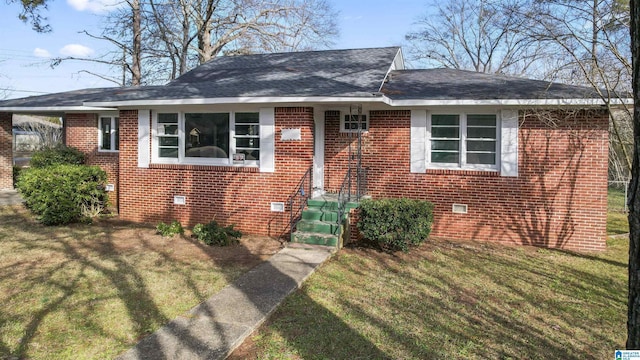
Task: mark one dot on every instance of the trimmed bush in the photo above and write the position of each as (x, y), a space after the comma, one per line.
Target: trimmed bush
(395, 224)
(169, 230)
(58, 155)
(62, 194)
(214, 234)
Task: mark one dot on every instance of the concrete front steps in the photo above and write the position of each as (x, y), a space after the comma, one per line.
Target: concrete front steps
(319, 224)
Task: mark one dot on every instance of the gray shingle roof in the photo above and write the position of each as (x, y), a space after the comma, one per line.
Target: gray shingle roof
(451, 84)
(358, 72)
(63, 99)
(330, 73)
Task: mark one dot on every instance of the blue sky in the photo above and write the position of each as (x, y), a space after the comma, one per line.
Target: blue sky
(24, 65)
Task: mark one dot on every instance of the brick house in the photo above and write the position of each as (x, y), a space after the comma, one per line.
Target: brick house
(240, 138)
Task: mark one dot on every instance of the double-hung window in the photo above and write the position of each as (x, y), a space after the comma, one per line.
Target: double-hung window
(467, 141)
(108, 136)
(207, 138)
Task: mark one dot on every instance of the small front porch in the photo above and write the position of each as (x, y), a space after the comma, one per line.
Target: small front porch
(324, 221)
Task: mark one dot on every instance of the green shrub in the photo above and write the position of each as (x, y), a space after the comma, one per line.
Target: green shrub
(395, 224)
(169, 230)
(214, 234)
(58, 155)
(62, 194)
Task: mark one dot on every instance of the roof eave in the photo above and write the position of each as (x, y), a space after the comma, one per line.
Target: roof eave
(373, 98)
(510, 102)
(54, 109)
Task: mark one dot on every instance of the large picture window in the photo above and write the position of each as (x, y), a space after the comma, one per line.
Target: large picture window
(108, 135)
(207, 138)
(463, 141)
(206, 135)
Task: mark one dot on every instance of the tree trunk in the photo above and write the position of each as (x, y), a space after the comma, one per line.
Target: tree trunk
(633, 319)
(136, 73)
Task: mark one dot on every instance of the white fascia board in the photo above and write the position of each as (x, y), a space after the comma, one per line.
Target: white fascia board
(511, 102)
(347, 100)
(242, 100)
(36, 109)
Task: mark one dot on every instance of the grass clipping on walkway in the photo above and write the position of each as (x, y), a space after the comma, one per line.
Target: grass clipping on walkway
(92, 291)
(453, 300)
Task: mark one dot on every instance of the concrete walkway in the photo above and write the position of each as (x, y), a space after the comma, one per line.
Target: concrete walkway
(213, 329)
(9, 197)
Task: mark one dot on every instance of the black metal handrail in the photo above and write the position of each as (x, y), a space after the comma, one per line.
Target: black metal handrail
(346, 192)
(298, 199)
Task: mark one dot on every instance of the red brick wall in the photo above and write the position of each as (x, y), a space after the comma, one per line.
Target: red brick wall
(81, 132)
(6, 152)
(230, 195)
(558, 200)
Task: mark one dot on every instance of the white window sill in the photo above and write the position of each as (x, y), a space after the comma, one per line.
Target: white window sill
(109, 151)
(458, 168)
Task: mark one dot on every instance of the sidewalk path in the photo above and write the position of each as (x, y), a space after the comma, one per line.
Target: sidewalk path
(213, 329)
(9, 197)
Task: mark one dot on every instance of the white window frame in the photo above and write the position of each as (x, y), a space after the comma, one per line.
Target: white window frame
(462, 164)
(182, 159)
(112, 118)
(344, 114)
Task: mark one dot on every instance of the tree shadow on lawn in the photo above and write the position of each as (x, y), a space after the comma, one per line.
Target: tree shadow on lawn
(453, 300)
(65, 261)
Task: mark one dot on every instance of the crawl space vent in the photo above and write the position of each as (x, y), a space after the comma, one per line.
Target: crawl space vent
(459, 208)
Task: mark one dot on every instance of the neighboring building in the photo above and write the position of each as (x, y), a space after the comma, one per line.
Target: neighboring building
(31, 133)
(503, 159)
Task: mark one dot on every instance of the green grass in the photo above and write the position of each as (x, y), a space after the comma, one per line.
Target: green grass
(93, 291)
(617, 222)
(449, 300)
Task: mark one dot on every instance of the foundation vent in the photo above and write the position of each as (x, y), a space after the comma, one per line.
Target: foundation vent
(459, 208)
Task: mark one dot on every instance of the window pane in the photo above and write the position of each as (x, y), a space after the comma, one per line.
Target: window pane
(169, 152)
(445, 157)
(168, 141)
(248, 143)
(445, 120)
(168, 129)
(488, 159)
(247, 118)
(481, 120)
(481, 145)
(247, 129)
(106, 133)
(445, 132)
(167, 118)
(445, 145)
(481, 133)
(116, 136)
(207, 135)
(250, 154)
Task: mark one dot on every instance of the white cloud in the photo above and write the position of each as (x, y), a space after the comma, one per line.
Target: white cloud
(76, 50)
(41, 53)
(94, 6)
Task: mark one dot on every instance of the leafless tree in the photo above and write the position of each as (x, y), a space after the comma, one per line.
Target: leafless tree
(31, 13)
(168, 38)
(480, 35)
(589, 45)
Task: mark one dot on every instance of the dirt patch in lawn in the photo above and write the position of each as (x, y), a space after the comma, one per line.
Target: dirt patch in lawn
(126, 237)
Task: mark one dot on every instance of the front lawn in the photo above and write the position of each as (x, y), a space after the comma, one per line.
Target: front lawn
(617, 222)
(454, 300)
(93, 291)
